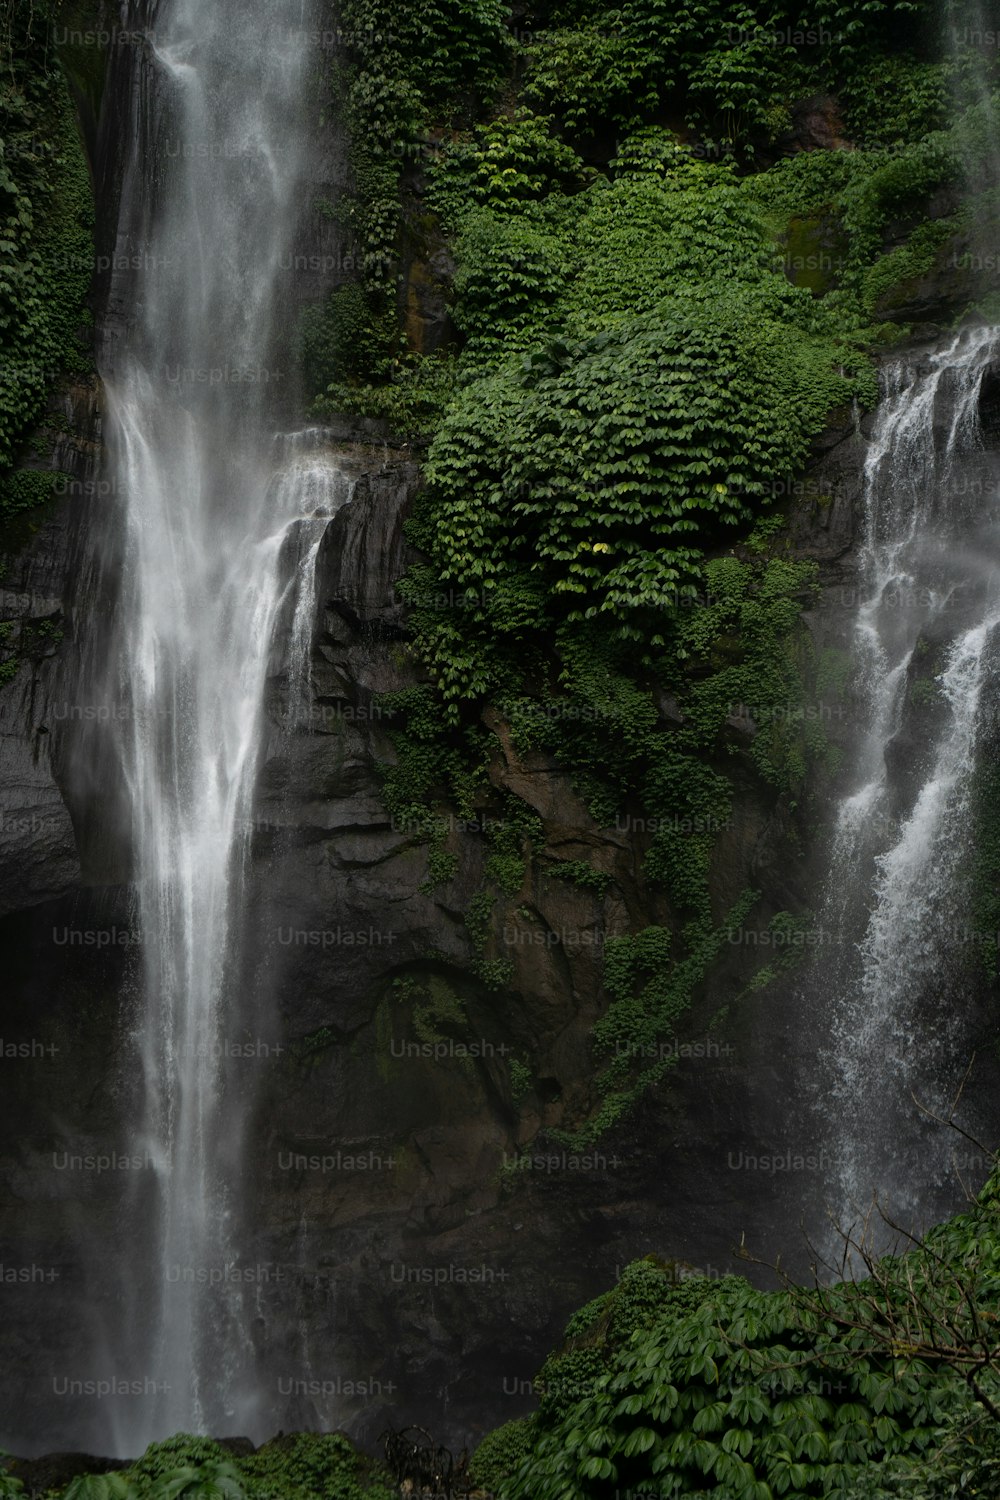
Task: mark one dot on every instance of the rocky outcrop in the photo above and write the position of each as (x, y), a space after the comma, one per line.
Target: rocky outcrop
(39, 859)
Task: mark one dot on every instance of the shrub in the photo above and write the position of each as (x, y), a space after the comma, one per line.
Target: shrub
(501, 1452)
(102, 1487)
(306, 1465)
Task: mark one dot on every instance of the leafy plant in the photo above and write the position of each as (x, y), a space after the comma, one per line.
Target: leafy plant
(521, 1081)
(724, 1390)
(504, 163)
(303, 1466)
(102, 1487)
(580, 872)
(182, 1453)
(211, 1481)
(501, 1452)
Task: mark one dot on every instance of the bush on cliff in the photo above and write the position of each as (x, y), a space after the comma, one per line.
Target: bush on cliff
(695, 1388)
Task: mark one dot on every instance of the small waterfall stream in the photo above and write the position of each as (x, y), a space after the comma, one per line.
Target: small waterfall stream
(897, 903)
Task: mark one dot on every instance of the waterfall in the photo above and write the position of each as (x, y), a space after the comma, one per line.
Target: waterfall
(897, 895)
(222, 521)
(308, 481)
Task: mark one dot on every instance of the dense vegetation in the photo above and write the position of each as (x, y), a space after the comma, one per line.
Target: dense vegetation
(300, 1466)
(665, 286)
(666, 1386)
(46, 243)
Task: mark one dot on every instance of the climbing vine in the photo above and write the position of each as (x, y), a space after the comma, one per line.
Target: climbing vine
(46, 243)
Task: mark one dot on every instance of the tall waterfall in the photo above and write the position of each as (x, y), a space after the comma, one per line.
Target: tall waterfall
(898, 903)
(223, 519)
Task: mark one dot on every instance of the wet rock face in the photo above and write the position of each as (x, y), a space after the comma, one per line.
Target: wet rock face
(432, 1249)
(39, 859)
(393, 1199)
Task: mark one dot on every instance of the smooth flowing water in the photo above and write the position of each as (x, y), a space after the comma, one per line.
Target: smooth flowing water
(223, 523)
(926, 648)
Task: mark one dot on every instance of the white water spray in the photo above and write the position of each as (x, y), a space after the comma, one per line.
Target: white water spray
(223, 527)
(896, 892)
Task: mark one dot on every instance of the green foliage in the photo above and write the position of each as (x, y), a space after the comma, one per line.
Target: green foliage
(894, 187)
(451, 46)
(350, 345)
(521, 1081)
(540, 488)
(584, 72)
(442, 866)
(209, 1481)
(580, 872)
(571, 497)
(789, 941)
(608, 504)
(892, 273)
(46, 243)
(510, 277)
(23, 490)
(650, 989)
(340, 339)
(895, 98)
(681, 1386)
(500, 165)
(428, 768)
(501, 1452)
(736, 1396)
(103, 1487)
(412, 402)
(10, 1488)
(404, 61)
(437, 1012)
(183, 1452)
(746, 635)
(869, 193)
(734, 69)
(966, 1463)
(601, 568)
(304, 1466)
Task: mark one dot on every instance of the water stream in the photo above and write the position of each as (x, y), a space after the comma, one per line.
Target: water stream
(898, 903)
(223, 520)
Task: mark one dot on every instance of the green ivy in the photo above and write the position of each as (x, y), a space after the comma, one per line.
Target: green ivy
(580, 872)
(507, 162)
(46, 242)
(650, 989)
(521, 1080)
(732, 69)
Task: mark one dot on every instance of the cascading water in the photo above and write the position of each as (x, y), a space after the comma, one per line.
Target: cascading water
(223, 524)
(897, 906)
